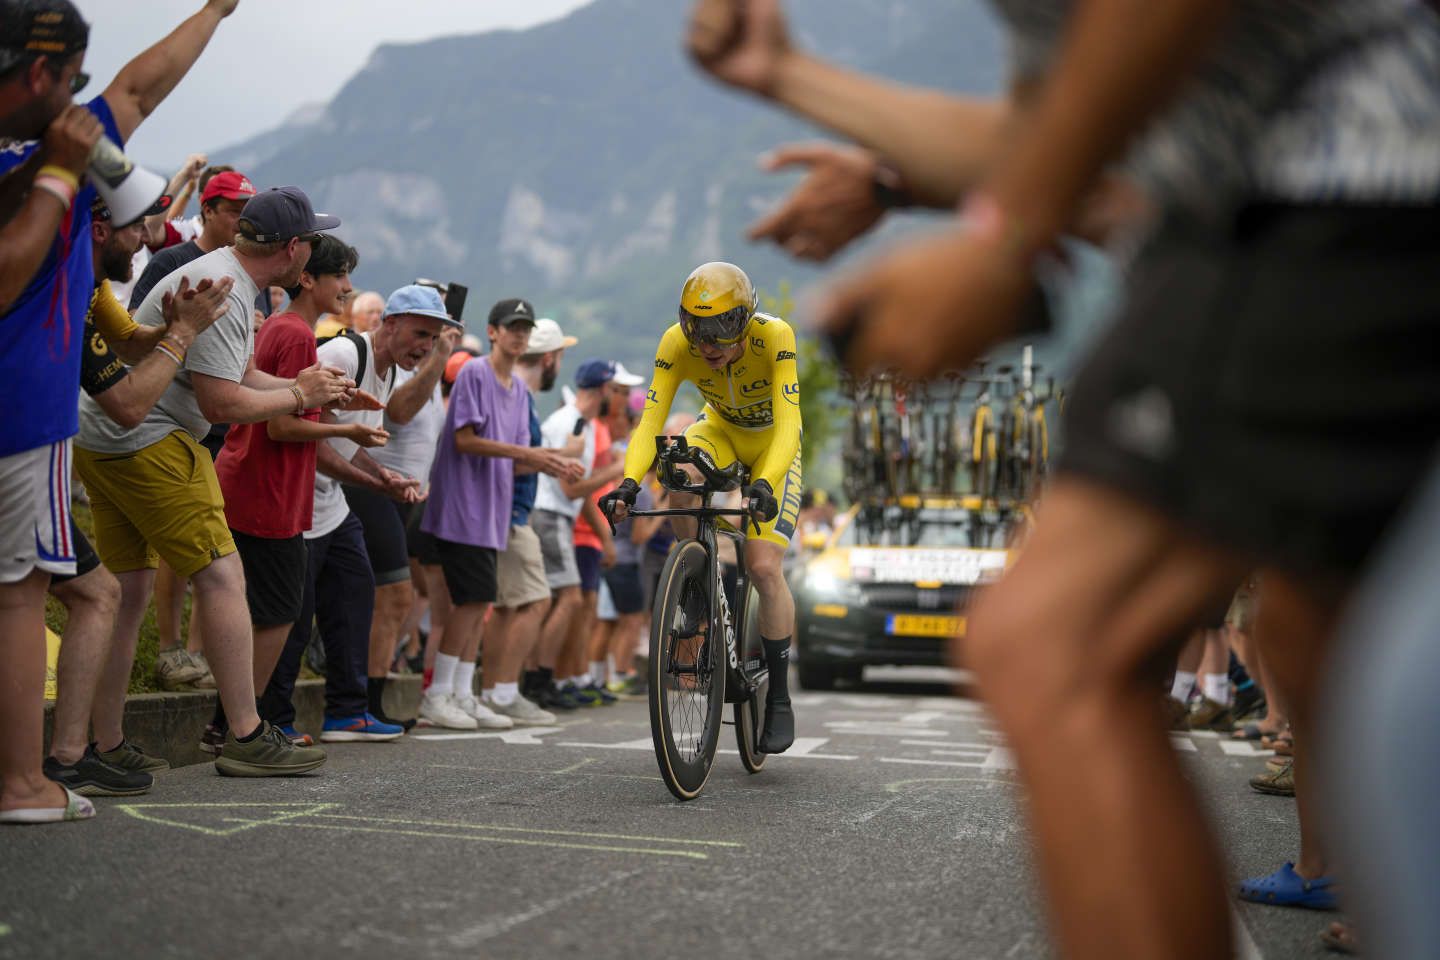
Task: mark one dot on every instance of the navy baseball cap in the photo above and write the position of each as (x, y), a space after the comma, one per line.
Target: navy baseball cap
(594, 373)
(281, 213)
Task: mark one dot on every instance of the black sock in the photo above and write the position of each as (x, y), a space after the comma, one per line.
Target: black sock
(375, 692)
(529, 682)
(546, 676)
(777, 657)
(253, 734)
(218, 721)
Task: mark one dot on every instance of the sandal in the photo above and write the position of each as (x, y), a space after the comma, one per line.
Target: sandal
(1340, 938)
(1249, 731)
(1286, 888)
(76, 808)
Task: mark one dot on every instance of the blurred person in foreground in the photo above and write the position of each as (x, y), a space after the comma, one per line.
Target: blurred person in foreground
(46, 281)
(1289, 155)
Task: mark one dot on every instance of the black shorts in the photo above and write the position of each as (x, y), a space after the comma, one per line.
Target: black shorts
(85, 556)
(384, 534)
(588, 560)
(623, 579)
(275, 572)
(471, 573)
(1274, 385)
(418, 544)
(214, 441)
(652, 564)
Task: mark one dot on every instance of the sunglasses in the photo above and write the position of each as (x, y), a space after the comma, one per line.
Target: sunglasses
(79, 82)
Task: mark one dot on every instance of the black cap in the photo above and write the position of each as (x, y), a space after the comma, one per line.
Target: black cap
(511, 311)
(53, 28)
(281, 213)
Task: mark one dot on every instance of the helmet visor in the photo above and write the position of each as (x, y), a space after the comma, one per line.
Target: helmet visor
(723, 329)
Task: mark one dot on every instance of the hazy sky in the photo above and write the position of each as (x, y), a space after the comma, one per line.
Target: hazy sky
(271, 56)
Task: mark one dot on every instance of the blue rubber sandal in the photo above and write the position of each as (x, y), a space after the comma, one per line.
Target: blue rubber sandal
(1286, 888)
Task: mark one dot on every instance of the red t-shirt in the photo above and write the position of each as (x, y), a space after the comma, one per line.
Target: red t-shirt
(269, 486)
(585, 535)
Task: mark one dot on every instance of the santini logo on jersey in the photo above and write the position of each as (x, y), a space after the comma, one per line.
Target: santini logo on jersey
(663, 364)
(785, 355)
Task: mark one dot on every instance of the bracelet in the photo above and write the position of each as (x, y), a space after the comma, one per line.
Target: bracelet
(50, 170)
(171, 352)
(57, 188)
(299, 399)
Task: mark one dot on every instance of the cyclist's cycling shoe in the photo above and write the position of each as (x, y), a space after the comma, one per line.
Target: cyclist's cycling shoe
(779, 730)
(692, 611)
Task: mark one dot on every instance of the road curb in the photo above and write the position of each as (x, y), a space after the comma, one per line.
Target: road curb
(169, 725)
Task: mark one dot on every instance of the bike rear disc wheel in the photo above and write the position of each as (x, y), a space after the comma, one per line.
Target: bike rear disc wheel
(749, 713)
(687, 678)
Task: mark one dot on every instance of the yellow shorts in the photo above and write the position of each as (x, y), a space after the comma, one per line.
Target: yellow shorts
(162, 501)
(727, 444)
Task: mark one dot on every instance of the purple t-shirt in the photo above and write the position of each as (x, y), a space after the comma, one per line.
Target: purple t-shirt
(470, 496)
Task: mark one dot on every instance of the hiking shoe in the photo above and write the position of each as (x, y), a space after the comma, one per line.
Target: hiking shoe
(1276, 783)
(212, 740)
(364, 728)
(92, 777)
(269, 755)
(1177, 713)
(522, 712)
(551, 697)
(439, 710)
(485, 718)
(127, 756)
(1207, 714)
(296, 737)
(207, 678)
(178, 669)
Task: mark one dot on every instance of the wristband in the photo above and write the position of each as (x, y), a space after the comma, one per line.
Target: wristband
(57, 188)
(171, 352)
(299, 399)
(50, 170)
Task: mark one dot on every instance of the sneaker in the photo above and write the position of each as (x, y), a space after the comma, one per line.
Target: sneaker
(633, 687)
(552, 697)
(1208, 714)
(485, 718)
(439, 710)
(383, 717)
(606, 697)
(586, 696)
(296, 737)
(522, 712)
(364, 728)
(127, 756)
(207, 678)
(1278, 783)
(92, 777)
(269, 755)
(76, 808)
(212, 740)
(177, 669)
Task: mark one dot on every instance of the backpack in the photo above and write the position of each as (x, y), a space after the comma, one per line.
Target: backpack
(360, 348)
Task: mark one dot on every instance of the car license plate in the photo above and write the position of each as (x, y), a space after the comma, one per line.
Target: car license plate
(910, 625)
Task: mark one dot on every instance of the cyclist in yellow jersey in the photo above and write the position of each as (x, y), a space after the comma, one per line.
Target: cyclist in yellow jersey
(743, 363)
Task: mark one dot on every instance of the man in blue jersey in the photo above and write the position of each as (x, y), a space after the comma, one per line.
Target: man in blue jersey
(45, 221)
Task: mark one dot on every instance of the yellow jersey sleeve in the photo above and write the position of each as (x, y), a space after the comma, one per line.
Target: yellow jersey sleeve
(669, 357)
(109, 316)
(785, 379)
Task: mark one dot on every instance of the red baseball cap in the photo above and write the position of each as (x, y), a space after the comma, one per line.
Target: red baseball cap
(229, 186)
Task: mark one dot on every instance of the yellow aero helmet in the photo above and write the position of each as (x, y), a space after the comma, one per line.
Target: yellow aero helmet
(716, 304)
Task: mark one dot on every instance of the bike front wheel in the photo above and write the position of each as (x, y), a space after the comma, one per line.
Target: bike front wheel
(687, 674)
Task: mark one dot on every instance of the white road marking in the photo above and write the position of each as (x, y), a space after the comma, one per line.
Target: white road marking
(1182, 743)
(952, 744)
(524, 736)
(880, 728)
(1243, 748)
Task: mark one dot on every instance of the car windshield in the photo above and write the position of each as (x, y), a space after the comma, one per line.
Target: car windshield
(910, 528)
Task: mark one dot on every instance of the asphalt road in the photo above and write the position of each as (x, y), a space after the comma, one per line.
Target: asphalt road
(890, 830)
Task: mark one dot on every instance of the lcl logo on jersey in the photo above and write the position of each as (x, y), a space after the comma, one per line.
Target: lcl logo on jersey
(757, 346)
(792, 393)
(650, 398)
(756, 386)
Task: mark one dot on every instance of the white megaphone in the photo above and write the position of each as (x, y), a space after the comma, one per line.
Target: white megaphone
(129, 191)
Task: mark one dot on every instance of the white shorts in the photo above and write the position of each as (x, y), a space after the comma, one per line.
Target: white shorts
(557, 546)
(605, 606)
(35, 512)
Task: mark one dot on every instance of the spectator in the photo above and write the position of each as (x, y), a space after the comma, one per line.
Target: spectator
(362, 314)
(140, 481)
(42, 48)
(267, 470)
(558, 501)
(340, 589)
(157, 228)
(221, 204)
(486, 439)
(524, 592)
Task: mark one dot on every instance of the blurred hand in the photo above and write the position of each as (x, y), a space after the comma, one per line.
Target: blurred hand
(400, 487)
(448, 341)
(554, 464)
(365, 435)
(321, 386)
(739, 42)
(70, 138)
(928, 307)
(194, 166)
(222, 7)
(833, 205)
(361, 400)
(190, 312)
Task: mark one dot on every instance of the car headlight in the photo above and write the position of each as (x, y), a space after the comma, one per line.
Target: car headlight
(823, 585)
